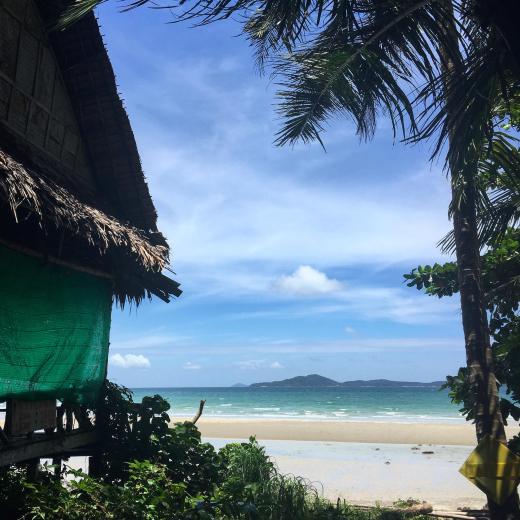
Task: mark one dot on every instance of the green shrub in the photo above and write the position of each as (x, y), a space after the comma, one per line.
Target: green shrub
(139, 432)
(149, 471)
(13, 492)
(253, 489)
(147, 494)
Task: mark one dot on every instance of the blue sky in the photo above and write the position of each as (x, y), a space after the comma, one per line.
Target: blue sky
(291, 259)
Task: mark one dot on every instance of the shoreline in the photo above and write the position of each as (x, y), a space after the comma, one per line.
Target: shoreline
(339, 431)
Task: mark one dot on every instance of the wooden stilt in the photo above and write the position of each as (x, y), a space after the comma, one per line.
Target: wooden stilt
(32, 470)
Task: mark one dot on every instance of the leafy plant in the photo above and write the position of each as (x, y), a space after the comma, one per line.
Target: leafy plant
(500, 275)
(13, 492)
(172, 476)
(148, 494)
(141, 432)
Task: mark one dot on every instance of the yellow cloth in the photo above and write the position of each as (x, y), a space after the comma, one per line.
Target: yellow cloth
(493, 468)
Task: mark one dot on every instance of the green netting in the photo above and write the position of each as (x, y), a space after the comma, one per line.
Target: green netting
(54, 330)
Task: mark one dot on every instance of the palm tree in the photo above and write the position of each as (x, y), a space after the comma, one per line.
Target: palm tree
(435, 68)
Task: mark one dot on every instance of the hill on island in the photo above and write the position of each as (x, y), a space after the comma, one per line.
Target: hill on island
(317, 381)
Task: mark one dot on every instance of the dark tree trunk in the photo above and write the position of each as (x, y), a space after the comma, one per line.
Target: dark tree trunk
(479, 356)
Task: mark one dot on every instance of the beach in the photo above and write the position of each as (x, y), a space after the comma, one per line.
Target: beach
(459, 434)
(365, 463)
(370, 473)
(362, 463)
(364, 445)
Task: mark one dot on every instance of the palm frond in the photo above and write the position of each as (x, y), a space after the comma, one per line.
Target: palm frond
(459, 105)
(367, 68)
(498, 184)
(76, 11)
(79, 8)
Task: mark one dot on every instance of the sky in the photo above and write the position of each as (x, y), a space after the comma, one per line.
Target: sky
(290, 259)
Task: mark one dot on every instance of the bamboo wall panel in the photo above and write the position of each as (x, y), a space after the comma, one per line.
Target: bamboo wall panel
(34, 102)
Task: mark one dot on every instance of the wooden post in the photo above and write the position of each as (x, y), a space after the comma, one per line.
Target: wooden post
(60, 412)
(3, 437)
(94, 466)
(8, 416)
(32, 470)
(69, 419)
(56, 462)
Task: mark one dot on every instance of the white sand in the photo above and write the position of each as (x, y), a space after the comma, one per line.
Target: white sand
(359, 473)
(458, 434)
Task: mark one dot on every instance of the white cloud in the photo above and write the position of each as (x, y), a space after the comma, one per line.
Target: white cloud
(238, 210)
(250, 364)
(392, 304)
(270, 349)
(129, 361)
(148, 340)
(306, 281)
(257, 364)
(349, 330)
(191, 366)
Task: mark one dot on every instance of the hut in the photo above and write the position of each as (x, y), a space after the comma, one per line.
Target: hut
(78, 228)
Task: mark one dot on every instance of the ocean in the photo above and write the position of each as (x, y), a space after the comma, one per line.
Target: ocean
(402, 404)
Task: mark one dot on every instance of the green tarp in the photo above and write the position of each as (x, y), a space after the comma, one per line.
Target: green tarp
(54, 330)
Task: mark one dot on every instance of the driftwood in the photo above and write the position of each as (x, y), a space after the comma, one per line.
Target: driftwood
(447, 515)
(455, 515)
(421, 508)
(199, 413)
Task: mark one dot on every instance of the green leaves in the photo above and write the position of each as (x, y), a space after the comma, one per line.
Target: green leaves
(76, 11)
(138, 432)
(362, 62)
(500, 276)
(439, 280)
(243, 483)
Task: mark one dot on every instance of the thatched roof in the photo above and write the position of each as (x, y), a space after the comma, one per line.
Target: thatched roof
(104, 123)
(26, 191)
(109, 223)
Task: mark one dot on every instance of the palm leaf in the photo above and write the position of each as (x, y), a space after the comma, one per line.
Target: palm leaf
(498, 183)
(79, 8)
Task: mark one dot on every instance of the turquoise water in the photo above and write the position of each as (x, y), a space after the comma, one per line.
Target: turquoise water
(404, 404)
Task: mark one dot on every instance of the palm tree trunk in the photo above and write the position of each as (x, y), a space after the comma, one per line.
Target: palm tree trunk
(479, 356)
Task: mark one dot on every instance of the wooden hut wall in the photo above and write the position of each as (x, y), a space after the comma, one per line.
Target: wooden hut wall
(37, 121)
(71, 182)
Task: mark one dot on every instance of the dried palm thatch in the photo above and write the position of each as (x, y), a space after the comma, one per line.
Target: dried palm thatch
(21, 188)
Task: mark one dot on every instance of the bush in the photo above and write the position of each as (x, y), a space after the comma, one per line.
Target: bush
(13, 492)
(253, 489)
(149, 471)
(148, 494)
(141, 432)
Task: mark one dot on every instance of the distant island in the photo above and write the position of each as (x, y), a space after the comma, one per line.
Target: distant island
(317, 381)
(239, 385)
